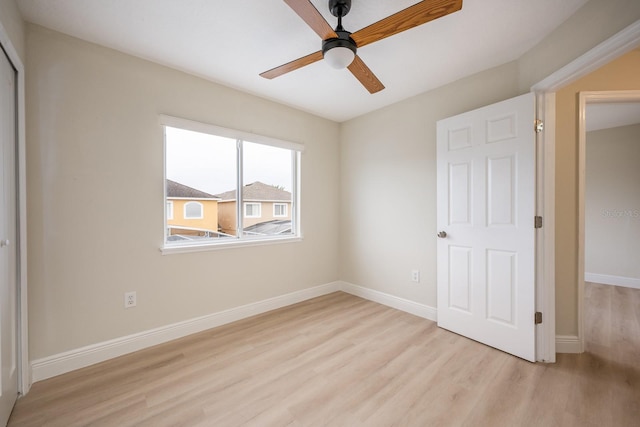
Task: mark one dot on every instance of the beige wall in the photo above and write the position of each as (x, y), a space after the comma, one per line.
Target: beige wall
(620, 74)
(93, 145)
(612, 199)
(388, 183)
(13, 25)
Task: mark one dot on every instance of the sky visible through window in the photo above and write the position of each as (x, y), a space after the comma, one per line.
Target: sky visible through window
(208, 163)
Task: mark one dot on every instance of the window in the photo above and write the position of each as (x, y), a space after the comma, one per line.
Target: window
(232, 174)
(169, 209)
(279, 210)
(193, 210)
(252, 210)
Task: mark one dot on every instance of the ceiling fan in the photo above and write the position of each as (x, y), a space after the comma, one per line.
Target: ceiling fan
(339, 46)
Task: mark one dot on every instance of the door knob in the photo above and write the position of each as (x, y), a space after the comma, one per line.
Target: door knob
(442, 234)
(4, 243)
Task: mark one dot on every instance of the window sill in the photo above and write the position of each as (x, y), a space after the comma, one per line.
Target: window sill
(203, 247)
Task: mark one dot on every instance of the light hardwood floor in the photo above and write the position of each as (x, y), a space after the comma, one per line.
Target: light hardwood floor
(343, 361)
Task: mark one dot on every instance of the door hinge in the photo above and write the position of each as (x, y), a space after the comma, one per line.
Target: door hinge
(537, 222)
(538, 126)
(537, 319)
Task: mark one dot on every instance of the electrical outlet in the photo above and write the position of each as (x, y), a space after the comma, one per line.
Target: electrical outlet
(129, 299)
(415, 276)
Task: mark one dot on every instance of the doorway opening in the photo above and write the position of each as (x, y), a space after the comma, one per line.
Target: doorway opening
(608, 211)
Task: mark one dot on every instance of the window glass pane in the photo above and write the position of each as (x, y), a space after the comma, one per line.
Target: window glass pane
(193, 210)
(252, 210)
(202, 170)
(169, 210)
(201, 183)
(279, 210)
(267, 179)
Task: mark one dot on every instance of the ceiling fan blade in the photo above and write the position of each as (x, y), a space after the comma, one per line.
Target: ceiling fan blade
(360, 70)
(309, 14)
(293, 65)
(418, 14)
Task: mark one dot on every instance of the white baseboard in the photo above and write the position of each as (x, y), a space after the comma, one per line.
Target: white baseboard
(606, 279)
(398, 303)
(568, 344)
(79, 358)
(61, 363)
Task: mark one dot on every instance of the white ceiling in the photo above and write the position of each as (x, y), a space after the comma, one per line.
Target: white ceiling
(231, 42)
(611, 115)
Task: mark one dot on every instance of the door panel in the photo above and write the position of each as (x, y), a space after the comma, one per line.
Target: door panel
(501, 175)
(8, 247)
(501, 286)
(460, 278)
(486, 189)
(460, 193)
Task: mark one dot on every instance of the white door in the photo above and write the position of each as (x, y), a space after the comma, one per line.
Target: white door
(8, 247)
(486, 189)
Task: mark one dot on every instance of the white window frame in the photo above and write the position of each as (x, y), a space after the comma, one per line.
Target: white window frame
(184, 213)
(241, 239)
(285, 209)
(169, 210)
(259, 205)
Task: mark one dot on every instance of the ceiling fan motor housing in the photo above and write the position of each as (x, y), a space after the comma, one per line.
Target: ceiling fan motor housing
(343, 40)
(339, 8)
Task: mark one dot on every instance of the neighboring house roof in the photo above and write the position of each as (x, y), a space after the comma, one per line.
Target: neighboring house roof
(180, 191)
(270, 228)
(257, 191)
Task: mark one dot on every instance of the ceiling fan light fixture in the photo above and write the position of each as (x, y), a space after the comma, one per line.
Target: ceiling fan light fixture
(339, 52)
(339, 57)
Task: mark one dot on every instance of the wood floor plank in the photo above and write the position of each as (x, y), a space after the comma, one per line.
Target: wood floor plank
(340, 360)
(598, 317)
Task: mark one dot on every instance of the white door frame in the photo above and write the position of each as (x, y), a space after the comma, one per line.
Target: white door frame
(545, 236)
(617, 45)
(24, 368)
(584, 98)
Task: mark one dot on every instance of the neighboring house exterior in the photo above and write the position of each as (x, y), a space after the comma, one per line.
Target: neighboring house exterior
(261, 203)
(191, 212)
